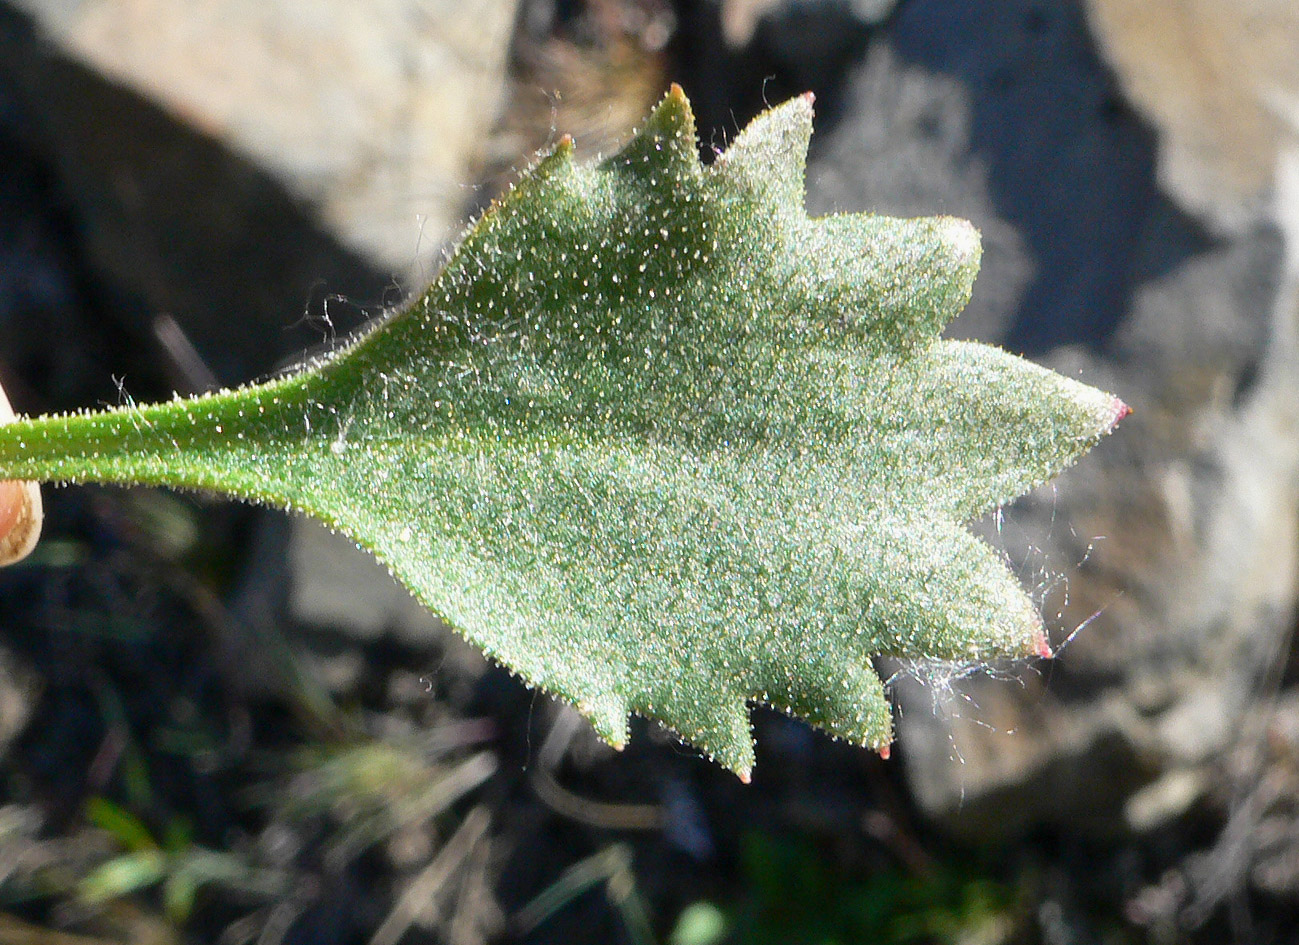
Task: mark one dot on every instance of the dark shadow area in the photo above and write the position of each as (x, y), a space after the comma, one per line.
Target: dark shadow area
(808, 47)
(44, 290)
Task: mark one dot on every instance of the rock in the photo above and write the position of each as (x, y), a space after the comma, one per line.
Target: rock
(267, 168)
(338, 586)
(1171, 549)
(375, 113)
(1259, 839)
(41, 294)
(1268, 810)
(168, 221)
(1164, 800)
(19, 690)
(1221, 84)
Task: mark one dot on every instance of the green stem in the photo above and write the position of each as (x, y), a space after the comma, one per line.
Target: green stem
(214, 442)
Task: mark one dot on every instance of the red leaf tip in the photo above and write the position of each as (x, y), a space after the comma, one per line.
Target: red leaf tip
(1042, 646)
(1121, 410)
(884, 750)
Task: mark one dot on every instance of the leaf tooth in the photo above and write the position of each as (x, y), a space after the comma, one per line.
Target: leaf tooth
(770, 155)
(715, 722)
(551, 165)
(1120, 411)
(1042, 646)
(663, 150)
(608, 716)
(996, 425)
(949, 596)
(672, 119)
(896, 282)
(836, 693)
(728, 737)
(557, 162)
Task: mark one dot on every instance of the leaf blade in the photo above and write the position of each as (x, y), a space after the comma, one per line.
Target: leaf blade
(658, 442)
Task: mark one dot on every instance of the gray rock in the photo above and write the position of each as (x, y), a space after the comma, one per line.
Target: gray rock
(267, 173)
(171, 222)
(19, 691)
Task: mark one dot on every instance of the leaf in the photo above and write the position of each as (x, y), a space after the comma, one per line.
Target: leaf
(658, 442)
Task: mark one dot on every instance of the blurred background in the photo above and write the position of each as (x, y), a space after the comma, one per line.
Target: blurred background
(219, 724)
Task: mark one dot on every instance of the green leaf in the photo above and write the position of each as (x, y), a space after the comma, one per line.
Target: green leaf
(658, 442)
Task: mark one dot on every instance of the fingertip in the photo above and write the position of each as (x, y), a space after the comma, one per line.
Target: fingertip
(21, 512)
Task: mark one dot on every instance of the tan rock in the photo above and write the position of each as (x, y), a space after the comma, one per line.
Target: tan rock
(1220, 82)
(374, 112)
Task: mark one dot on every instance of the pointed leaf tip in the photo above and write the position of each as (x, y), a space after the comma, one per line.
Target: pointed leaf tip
(674, 110)
(665, 142)
(561, 153)
(608, 716)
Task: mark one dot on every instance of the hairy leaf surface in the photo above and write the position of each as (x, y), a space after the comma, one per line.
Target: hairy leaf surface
(658, 442)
